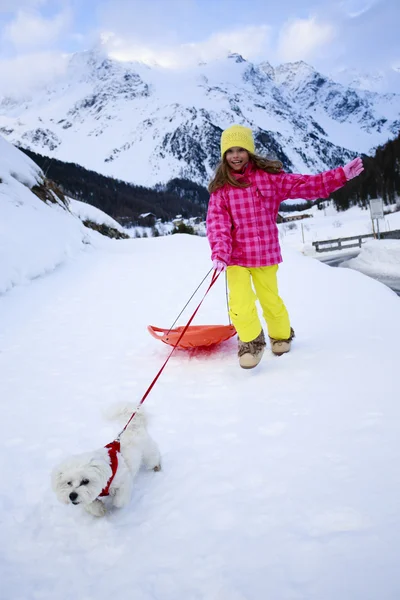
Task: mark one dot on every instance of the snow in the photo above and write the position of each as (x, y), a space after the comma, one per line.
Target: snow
(328, 223)
(380, 257)
(281, 482)
(35, 237)
(86, 211)
(17, 166)
(275, 483)
(384, 80)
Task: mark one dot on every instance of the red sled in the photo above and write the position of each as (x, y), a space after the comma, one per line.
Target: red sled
(196, 336)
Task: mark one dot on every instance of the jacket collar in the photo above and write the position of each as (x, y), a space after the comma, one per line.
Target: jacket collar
(245, 174)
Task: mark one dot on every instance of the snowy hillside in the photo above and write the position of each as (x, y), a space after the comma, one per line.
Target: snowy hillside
(86, 211)
(280, 483)
(147, 125)
(97, 219)
(36, 236)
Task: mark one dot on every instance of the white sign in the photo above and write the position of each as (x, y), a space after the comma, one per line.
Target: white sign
(376, 207)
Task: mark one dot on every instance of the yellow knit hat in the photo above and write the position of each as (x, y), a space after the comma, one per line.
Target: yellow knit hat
(237, 135)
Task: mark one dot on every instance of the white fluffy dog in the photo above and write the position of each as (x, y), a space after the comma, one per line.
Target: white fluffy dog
(84, 478)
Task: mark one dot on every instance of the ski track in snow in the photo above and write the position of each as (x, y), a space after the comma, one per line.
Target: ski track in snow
(281, 482)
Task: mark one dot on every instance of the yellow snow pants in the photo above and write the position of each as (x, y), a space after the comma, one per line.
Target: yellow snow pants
(242, 302)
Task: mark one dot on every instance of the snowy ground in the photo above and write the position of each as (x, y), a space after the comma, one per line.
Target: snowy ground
(329, 224)
(378, 257)
(279, 483)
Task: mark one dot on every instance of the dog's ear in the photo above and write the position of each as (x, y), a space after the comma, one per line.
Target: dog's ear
(56, 478)
(58, 484)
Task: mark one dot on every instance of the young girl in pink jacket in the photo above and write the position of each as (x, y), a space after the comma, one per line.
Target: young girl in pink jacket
(246, 192)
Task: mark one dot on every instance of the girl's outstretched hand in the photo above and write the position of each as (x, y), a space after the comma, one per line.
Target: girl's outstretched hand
(219, 266)
(353, 168)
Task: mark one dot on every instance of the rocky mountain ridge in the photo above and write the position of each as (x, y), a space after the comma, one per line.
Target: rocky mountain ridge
(149, 125)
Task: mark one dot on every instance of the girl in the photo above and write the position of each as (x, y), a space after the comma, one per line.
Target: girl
(246, 192)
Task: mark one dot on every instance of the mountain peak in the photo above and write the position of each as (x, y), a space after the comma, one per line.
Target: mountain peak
(298, 75)
(267, 69)
(298, 69)
(236, 57)
(88, 58)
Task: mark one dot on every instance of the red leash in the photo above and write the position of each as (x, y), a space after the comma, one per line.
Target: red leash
(147, 392)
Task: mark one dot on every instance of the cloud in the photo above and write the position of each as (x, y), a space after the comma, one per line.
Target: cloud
(300, 39)
(23, 73)
(362, 34)
(356, 8)
(249, 41)
(30, 30)
(7, 6)
(147, 19)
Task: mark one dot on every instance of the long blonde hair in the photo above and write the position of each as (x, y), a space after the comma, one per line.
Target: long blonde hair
(223, 173)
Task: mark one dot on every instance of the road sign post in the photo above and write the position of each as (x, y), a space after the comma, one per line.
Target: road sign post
(376, 208)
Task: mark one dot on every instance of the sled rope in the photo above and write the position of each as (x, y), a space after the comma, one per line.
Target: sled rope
(188, 302)
(214, 278)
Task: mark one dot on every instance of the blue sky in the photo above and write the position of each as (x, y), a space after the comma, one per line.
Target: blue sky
(329, 35)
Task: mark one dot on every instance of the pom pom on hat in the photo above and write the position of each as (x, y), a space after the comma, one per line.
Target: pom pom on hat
(237, 135)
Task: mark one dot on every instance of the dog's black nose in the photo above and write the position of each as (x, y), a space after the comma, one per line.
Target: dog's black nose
(73, 496)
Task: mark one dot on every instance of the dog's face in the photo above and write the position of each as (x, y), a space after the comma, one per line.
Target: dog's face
(80, 479)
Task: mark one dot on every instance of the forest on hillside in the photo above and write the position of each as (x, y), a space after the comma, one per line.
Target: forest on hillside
(125, 202)
(380, 179)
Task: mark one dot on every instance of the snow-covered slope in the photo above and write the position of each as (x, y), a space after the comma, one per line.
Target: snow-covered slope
(87, 212)
(378, 257)
(281, 483)
(35, 236)
(148, 125)
(375, 81)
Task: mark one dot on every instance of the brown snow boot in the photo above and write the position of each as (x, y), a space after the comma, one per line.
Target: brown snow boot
(250, 353)
(280, 347)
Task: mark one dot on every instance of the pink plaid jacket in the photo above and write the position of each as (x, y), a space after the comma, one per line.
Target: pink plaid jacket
(241, 222)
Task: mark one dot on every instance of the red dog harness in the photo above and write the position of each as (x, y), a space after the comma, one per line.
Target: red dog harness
(113, 449)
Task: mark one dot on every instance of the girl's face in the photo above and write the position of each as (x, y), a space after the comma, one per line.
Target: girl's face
(237, 158)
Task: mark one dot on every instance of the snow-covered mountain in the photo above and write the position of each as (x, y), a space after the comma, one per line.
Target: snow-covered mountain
(375, 81)
(147, 125)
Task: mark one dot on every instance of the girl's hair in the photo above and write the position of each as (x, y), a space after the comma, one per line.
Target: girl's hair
(223, 171)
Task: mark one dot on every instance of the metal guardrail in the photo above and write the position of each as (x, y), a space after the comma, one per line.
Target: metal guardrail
(341, 243)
